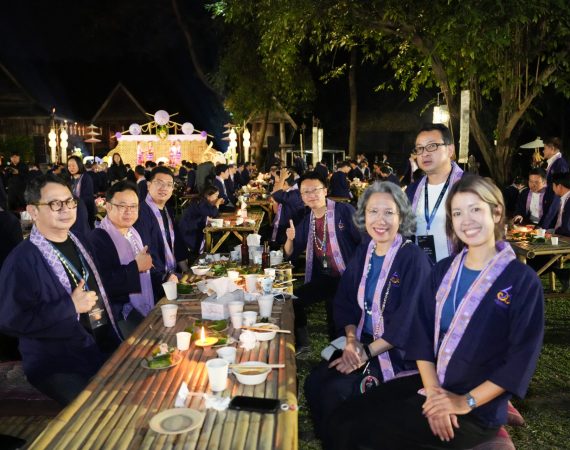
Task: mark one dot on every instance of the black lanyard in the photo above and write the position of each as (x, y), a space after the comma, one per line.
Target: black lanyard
(68, 265)
(429, 217)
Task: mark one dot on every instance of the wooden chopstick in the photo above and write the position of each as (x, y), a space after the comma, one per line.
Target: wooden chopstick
(267, 366)
(284, 282)
(267, 330)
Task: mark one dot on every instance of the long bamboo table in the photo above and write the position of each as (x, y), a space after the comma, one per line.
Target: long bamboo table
(526, 250)
(115, 408)
(263, 203)
(211, 245)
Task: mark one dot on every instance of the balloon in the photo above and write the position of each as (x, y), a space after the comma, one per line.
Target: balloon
(161, 117)
(135, 129)
(187, 128)
(118, 135)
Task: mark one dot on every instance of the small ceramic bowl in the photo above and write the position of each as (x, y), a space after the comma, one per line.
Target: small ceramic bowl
(252, 376)
(265, 335)
(200, 270)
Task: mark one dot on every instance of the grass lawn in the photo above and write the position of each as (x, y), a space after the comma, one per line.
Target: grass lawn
(546, 408)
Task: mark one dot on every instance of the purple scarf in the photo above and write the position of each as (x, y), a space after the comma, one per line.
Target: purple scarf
(168, 252)
(332, 241)
(456, 174)
(540, 199)
(377, 315)
(56, 266)
(468, 306)
(278, 216)
(127, 249)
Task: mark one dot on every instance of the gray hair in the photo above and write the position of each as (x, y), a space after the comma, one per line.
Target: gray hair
(407, 216)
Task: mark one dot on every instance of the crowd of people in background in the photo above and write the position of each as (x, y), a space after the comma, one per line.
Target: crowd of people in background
(405, 269)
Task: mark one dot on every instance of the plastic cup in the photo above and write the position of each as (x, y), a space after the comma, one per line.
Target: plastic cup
(249, 318)
(554, 240)
(233, 275)
(257, 257)
(269, 273)
(540, 232)
(228, 354)
(235, 255)
(265, 303)
(183, 340)
(217, 374)
(266, 285)
(169, 315)
(235, 306)
(237, 320)
(217, 257)
(251, 283)
(171, 290)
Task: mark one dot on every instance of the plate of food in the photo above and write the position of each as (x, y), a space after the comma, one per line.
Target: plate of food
(176, 421)
(162, 357)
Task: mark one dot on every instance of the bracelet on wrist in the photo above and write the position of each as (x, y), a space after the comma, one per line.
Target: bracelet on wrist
(367, 351)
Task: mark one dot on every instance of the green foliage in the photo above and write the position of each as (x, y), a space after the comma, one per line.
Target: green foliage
(21, 144)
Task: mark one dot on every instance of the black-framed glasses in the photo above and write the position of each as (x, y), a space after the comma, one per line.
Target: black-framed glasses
(428, 148)
(123, 208)
(57, 205)
(311, 192)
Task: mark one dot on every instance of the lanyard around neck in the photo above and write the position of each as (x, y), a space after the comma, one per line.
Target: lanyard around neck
(76, 275)
(429, 217)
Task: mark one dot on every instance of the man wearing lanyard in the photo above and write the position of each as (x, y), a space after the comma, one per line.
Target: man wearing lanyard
(53, 299)
(434, 151)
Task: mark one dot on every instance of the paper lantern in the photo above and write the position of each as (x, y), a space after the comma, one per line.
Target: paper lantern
(161, 117)
(187, 128)
(135, 129)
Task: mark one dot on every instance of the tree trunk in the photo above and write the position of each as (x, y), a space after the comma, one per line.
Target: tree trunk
(353, 103)
(261, 139)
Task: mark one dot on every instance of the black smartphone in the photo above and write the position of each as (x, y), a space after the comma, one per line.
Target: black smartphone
(255, 404)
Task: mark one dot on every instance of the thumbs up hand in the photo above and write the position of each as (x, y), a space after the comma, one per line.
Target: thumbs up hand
(290, 231)
(144, 260)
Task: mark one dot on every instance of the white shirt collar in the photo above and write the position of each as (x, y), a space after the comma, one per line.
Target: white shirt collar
(553, 158)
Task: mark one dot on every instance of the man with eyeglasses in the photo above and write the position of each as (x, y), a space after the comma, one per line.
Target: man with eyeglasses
(157, 227)
(534, 202)
(123, 258)
(329, 237)
(434, 152)
(53, 298)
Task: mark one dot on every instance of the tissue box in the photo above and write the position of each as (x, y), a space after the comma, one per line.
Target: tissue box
(214, 308)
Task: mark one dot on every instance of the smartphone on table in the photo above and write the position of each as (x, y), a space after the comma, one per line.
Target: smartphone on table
(255, 404)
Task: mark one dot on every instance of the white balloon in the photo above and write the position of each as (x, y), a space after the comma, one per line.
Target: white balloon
(187, 128)
(161, 117)
(135, 129)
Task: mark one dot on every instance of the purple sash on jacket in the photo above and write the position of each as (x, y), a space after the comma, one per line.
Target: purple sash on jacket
(168, 252)
(468, 306)
(278, 216)
(127, 248)
(456, 174)
(377, 315)
(540, 199)
(48, 253)
(332, 241)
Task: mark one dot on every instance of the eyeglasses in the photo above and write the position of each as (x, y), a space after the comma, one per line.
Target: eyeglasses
(311, 192)
(428, 148)
(162, 184)
(57, 205)
(124, 208)
(387, 214)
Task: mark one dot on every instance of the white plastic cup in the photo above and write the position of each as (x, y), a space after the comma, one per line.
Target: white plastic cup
(171, 290)
(249, 318)
(266, 285)
(235, 306)
(217, 257)
(257, 257)
(237, 320)
(265, 303)
(228, 354)
(554, 240)
(235, 255)
(251, 283)
(233, 275)
(540, 232)
(169, 315)
(183, 340)
(269, 272)
(217, 373)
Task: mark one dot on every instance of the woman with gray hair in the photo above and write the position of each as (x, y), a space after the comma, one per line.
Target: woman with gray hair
(373, 307)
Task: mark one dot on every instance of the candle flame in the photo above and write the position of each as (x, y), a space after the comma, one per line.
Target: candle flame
(203, 335)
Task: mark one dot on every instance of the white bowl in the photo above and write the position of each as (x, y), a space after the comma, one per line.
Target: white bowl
(253, 379)
(265, 335)
(200, 270)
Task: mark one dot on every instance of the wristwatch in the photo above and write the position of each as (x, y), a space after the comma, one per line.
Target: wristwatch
(367, 351)
(471, 401)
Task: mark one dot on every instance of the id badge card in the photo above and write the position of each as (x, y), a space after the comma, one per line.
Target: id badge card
(97, 317)
(427, 244)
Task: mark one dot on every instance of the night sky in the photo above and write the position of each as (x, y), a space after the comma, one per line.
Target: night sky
(71, 54)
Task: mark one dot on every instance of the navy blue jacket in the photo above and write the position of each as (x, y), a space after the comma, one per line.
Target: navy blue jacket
(193, 221)
(292, 208)
(339, 185)
(546, 202)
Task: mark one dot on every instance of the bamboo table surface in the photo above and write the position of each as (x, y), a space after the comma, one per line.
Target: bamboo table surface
(115, 408)
(211, 246)
(526, 250)
(265, 204)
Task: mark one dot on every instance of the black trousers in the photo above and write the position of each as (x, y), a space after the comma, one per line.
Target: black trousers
(390, 417)
(320, 288)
